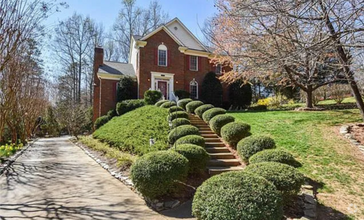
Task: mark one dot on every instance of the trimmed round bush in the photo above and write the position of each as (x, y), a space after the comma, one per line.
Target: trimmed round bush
(168, 104)
(112, 113)
(191, 106)
(233, 132)
(152, 96)
(253, 144)
(183, 102)
(129, 105)
(201, 109)
(181, 131)
(237, 195)
(178, 114)
(217, 122)
(160, 102)
(180, 121)
(196, 155)
(175, 109)
(192, 139)
(274, 155)
(287, 179)
(100, 121)
(182, 94)
(154, 174)
(209, 114)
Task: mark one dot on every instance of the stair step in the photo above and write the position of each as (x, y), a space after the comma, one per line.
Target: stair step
(222, 156)
(207, 132)
(211, 135)
(218, 170)
(217, 149)
(224, 162)
(215, 139)
(215, 144)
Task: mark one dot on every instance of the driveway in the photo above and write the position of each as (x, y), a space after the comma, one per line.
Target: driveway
(55, 179)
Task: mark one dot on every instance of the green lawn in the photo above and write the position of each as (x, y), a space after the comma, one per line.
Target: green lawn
(314, 139)
(332, 102)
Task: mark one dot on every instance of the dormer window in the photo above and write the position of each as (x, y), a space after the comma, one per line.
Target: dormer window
(194, 63)
(162, 55)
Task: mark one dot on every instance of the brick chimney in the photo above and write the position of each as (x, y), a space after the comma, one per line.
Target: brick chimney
(98, 61)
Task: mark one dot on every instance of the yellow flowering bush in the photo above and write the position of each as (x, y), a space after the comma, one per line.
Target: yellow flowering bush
(9, 149)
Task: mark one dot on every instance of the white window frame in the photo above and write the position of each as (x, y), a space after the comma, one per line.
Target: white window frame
(163, 47)
(196, 63)
(218, 69)
(194, 83)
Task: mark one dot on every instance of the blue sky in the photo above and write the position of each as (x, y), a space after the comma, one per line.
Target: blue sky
(191, 12)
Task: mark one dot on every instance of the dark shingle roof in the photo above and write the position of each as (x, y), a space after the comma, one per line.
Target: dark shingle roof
(117, 68)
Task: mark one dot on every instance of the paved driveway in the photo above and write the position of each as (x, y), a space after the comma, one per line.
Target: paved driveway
(54, 179)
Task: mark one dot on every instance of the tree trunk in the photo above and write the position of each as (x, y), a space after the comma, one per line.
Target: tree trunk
(309, 103)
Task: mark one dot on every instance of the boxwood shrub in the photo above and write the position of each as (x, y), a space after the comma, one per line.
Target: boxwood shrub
(129, 105)
(237, 195)
(209, 114)
(175, 109)
(155, 173)
(287, 179)
(168, 104)
(217, 122)
(192, 139)
(183, 102)
(181, 131)
(112, 113)
(160, 102)
(178, 114)
(196, 155)
(180, 121)
(191, 106)
(100, 121)
(233, 132)
(152, 96)
(253, 144)
(201, 109)
(274, 155)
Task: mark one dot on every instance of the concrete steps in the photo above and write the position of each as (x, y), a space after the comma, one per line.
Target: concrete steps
(221, 159)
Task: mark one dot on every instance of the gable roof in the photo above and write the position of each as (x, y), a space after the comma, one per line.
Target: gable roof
(116, 69)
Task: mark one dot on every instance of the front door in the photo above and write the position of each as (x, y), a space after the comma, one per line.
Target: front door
(162, 86)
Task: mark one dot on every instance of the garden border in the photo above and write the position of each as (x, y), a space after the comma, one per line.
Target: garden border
(13, 158)
(345, 131)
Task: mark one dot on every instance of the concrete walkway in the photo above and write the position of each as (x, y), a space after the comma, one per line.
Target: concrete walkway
(54, 179)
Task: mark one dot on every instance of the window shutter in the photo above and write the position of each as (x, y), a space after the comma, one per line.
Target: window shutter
(187, 62)
(199, 67)
(169, 58)
(155, 56)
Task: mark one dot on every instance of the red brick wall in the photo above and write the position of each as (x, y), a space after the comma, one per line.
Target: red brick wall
(107, 95)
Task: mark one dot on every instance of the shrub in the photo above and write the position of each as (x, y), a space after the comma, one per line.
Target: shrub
(179, 114)
(237, 195)
(253, 144)
(129, 105)
(201, 109)
(211, 89)
(168, 104)
(196, 155)
(160, 102)
(182, 94)
(100, 121)
(180, 121)
(191, 106)
(181, 131)
(286, 178)
(127, 89)
(257, 107)
(274, 155)
(112, 113)
(154, 174)
(217, 122)
(240, 94)
(209, 114)
(175, 109)
(131, 132)
(152, 96)
(191, 139)
(183, 102)
(233, 132)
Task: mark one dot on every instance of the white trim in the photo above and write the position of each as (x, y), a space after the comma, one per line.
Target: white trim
(169, 77)
(191, 62)
(194, 83)
(163, 47)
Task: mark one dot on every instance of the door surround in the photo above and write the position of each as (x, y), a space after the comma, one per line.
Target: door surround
(168, 77)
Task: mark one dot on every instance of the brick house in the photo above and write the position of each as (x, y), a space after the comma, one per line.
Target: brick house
(169, 58)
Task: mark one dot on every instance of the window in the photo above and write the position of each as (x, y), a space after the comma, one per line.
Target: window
(194, 89)
(162, 55)
(218, 69)
(193, 63)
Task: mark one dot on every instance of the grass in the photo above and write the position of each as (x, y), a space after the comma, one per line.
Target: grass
(333, 102)
(124, 160)
(327, 157)
(131, 132)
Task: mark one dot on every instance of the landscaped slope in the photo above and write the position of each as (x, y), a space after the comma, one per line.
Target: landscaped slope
(327, 157)
(131, 132)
